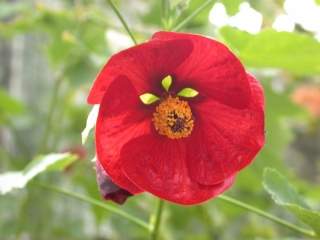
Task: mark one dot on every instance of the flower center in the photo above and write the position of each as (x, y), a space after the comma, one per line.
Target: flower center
(173, 118)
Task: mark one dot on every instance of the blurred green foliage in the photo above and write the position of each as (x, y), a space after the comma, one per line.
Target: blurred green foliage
(71, 38)
(284, 194)
(9, 106)
(295, 52)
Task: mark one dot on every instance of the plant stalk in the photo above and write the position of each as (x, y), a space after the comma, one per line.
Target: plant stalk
(156, 220)
(264, 214)
(125, 25)
(44, 144)
(193, 15)
(97, 203)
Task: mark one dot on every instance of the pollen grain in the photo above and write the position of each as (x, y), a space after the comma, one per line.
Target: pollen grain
(173, 118)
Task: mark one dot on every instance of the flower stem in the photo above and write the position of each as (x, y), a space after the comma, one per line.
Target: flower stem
(166, 20)
(97, 203)
(155, 220)
(125, 25)
(192, 15)
(266, 215)
(51, 111)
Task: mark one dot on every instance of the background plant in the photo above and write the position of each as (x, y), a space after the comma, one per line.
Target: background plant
(50, 54)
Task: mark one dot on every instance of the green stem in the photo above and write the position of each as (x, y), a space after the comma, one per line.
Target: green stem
(207, 220)
(155, 220)
(125, 25)
(51, 110)
(166, 14)
(266, 215)
(97, 203)
(192, 15)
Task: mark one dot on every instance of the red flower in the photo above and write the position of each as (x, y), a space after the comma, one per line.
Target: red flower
(187, 141)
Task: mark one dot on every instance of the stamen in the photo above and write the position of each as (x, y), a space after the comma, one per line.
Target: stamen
(173, 118)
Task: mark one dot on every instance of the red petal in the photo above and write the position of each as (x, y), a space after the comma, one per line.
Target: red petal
(145, 65)
(225, 139)
(121, 118)
(212, 70)
(157, 165)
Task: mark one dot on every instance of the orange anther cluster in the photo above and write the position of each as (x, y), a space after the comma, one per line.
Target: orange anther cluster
(173, 118)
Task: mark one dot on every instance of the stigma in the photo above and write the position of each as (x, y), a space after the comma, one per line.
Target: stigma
(173, 118)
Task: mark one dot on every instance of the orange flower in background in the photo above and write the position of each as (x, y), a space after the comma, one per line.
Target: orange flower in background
(308, 96)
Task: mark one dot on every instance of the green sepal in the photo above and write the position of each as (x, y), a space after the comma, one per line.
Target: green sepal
(148, 98)
(166, 82)
(188, 93)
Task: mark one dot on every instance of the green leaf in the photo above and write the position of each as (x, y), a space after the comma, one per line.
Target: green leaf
(285, 195)
(19, 179)
(237, 40)
(10, 105)
(166, 82)
(279, 188)
(188, 93)
(232, 6)
(295, 52)
(309, 217)
(91, 122)
(148, 98)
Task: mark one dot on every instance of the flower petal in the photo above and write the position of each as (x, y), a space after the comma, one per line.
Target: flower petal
(121, 118)
(108, 189)
(211, 69)
(225, 139)
(145, 65)
(157, 165)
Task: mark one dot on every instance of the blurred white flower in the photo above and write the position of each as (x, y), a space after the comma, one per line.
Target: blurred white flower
(306, 13)
(247, 19)
(283, 23)
(218, 15)
(117, 41)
